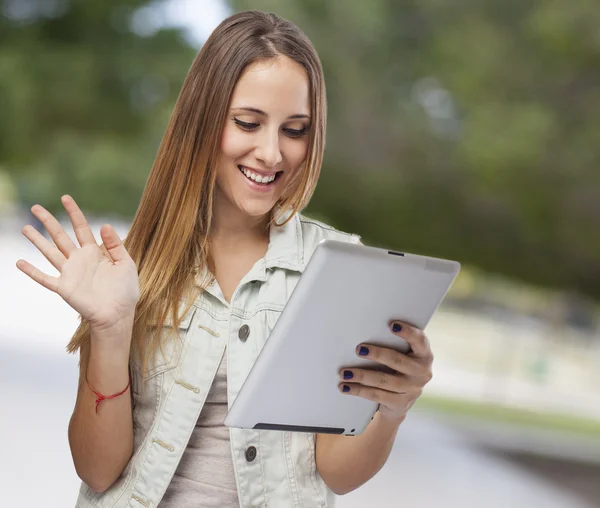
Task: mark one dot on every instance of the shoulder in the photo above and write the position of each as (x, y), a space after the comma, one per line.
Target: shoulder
(314, 231)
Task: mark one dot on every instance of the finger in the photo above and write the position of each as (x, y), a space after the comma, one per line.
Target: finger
(61, 239)
(418, 341)
(49, 250)
(395, 360)
(80, 225)
(40, 277)
(113, 244)
(383, 397)
(383, 380)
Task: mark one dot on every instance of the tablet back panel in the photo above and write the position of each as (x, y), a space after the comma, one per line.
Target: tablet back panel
(347, 295)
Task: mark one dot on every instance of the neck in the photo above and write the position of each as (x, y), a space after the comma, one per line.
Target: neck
(229, 224)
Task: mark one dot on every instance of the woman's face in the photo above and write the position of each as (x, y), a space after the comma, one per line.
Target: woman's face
(265, 139)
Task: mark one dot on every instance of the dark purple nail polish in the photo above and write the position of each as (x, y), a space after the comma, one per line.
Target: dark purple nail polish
(346, 388)
(396, 328)
(364, 351)
(348, 374)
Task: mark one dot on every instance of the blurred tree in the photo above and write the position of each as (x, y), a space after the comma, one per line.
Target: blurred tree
(469, 129)
(85, 98)
(466, 129)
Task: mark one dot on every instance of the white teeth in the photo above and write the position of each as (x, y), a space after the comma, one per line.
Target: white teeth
(257, 178)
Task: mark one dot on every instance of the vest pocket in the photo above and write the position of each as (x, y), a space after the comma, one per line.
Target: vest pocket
(272, 318)
(167, 357)
(267, 318)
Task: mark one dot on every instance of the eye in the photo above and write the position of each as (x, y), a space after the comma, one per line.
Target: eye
(295, 133)
(245, 125)
(250, 126)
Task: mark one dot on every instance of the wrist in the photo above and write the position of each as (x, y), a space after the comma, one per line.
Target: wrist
(391, 421)
(108, 364)
(118, 330)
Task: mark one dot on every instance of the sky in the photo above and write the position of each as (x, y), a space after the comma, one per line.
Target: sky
(199, 17)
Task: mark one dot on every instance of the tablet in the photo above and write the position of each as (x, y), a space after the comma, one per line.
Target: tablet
(347, 295)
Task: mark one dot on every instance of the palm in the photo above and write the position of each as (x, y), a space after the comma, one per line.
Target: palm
(96, 287)
(101, 285)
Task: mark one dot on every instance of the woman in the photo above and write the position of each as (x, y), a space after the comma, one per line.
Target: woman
(179, 311)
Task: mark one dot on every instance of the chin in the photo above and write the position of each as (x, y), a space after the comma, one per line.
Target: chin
(256, 210)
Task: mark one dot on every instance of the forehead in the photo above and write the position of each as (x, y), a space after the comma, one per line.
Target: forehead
(278, 86)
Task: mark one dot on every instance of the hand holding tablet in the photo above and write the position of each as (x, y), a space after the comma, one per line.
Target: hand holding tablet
(394, 391)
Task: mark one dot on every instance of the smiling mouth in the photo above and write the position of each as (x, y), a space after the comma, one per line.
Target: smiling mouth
(260, 179)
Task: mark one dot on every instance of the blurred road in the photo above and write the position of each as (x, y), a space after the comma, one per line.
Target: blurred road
(431, 465)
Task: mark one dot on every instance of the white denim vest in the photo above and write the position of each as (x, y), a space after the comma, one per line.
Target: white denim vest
(272, 468)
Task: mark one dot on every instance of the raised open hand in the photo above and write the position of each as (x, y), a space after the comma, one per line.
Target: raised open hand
(101, 286)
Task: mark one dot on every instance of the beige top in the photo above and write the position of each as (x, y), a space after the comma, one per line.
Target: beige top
(204, 477)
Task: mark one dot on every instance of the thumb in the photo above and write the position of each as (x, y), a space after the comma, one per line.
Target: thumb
(113, 244)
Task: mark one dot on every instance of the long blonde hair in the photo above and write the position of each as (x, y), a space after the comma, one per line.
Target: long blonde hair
(168, 238)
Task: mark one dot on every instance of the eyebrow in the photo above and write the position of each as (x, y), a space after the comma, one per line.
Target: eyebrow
(262, 113)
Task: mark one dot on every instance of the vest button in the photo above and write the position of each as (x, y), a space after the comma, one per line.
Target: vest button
(250, 453)
(243, 332)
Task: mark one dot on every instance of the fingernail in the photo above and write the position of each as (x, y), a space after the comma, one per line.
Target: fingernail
(364, 351)
(346, 388)
(396, 328)
(348, 374)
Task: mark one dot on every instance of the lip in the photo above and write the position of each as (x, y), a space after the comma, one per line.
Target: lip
(258, 171)
(263, 189)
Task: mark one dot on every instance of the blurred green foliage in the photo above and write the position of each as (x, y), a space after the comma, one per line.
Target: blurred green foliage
(468, 130)
(84, 100)
(499, 414)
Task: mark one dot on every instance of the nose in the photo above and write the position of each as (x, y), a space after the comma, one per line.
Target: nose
(268, 150)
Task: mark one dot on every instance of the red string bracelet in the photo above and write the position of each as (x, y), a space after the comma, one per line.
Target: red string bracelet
(105, 397)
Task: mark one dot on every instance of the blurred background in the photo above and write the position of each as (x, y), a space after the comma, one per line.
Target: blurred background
(466, 130)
